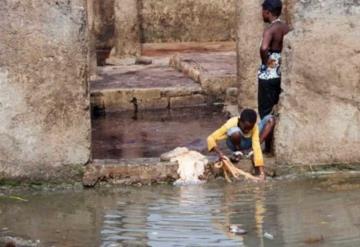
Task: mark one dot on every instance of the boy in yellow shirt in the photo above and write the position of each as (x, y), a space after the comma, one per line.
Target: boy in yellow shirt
(241, 134)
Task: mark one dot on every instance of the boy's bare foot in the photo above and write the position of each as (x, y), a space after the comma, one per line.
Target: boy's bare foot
(262, 177)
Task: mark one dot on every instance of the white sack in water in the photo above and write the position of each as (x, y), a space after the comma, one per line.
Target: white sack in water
(191, 165)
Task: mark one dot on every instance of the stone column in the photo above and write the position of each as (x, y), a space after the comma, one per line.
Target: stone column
(44, 99)
(92, 38)
(249, 33)
(320, 107)
(127, 29)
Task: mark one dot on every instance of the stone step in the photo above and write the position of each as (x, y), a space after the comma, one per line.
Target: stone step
(122, 99)
(157, 86)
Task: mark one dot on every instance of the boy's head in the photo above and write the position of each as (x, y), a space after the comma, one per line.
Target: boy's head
(271, 8)
(247, 120)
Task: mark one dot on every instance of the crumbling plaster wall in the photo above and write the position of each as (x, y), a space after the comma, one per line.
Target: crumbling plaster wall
(44, 100)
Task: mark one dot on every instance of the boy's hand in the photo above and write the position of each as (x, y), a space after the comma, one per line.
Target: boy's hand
(222, 156)
(262, 177)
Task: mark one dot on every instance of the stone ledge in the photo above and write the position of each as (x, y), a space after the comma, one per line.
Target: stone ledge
(150, 171)
(153, 171)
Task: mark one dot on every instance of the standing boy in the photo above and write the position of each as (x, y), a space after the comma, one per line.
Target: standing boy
(269, 75)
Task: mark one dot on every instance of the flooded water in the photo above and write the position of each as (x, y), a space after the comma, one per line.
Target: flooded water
(150, 133)
(304, 212)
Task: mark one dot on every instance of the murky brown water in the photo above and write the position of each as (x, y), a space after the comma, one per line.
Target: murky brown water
(303, 212)
(151, 133)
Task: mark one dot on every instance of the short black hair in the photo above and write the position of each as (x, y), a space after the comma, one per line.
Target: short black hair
(248, 115)
(274, 6)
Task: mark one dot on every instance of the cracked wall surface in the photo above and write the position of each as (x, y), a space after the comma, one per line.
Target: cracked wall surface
(320, 107)
(44, 102)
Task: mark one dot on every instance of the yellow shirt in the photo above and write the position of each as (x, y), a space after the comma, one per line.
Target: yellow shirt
(221, 134)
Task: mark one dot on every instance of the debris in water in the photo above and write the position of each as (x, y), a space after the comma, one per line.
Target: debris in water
(237, 229)
(314, 240)
(191, 165)
(268, 236)
(14, 198)
(16, 241)
(143, 60)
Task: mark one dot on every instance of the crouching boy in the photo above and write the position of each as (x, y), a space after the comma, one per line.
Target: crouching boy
(243, 134)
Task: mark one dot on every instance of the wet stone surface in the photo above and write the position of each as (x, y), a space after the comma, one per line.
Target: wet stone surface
(321, 211)
(151, 133)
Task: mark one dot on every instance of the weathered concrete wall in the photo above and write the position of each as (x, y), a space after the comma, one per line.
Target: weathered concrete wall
(127, 28)
(249, 34)
(188, 20)
(320, 107)
(44, 102)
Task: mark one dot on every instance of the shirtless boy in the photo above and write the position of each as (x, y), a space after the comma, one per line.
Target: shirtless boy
(269, 75)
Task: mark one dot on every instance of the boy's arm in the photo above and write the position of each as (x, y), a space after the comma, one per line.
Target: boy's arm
(264, 48)
(258, 156)
(214, 137)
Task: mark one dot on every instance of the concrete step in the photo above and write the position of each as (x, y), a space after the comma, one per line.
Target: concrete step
(122, 99)
(156, 86)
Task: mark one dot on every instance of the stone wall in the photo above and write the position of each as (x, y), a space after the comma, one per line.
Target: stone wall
(44, 102)
(188, 20)
(320, 107)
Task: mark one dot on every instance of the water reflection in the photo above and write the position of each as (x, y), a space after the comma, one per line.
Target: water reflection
(322, 211)
(119, 135)
(190, 216)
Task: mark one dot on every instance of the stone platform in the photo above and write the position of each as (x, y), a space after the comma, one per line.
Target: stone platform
(214, 71)
(124, 85)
